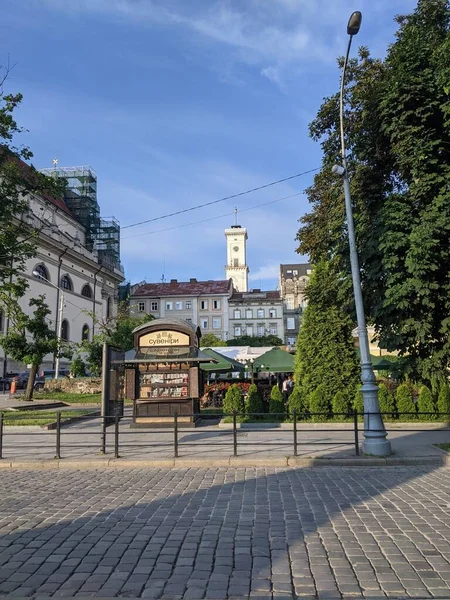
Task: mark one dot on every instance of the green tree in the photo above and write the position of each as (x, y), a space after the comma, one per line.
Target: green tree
(276, 403)
(209, 340)
(233, 400)
(444, 402)
(78, 367)
(30, 338)
(358, 402)
(255, 341)
(254, 402)
(341, 405)
(325, 348)
(319, 403)
(386, 401)
(405, 402)
(425, 404)
(297, 401)
(399, 188)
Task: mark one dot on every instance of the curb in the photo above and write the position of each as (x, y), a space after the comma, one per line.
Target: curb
(235, 462)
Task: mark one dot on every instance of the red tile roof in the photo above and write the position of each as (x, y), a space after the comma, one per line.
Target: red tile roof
(183, 288)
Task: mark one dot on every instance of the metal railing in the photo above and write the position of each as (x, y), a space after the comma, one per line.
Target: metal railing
(110, 428)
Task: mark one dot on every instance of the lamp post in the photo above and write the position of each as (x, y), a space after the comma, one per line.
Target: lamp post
(375, 434)
(60, 315)
(249, 365)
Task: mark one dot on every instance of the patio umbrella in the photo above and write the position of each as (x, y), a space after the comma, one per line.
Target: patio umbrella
(276, 361)
(224, 364)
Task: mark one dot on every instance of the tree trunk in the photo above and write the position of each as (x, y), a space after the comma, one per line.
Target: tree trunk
(30, 384)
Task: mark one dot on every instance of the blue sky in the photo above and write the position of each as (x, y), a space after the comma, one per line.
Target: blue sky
(179, 102)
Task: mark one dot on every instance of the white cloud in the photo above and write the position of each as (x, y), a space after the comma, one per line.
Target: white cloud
(268, 272)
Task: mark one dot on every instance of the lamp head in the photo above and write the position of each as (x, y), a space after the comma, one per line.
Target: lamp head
(354, 23)
(36, 274)
(338, 170)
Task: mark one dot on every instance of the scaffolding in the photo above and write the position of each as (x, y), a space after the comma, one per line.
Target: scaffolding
(80, 195)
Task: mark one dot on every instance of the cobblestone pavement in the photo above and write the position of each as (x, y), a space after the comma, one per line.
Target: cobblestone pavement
(226, 533)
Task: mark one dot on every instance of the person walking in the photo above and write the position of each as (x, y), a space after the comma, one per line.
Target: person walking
(285, 389)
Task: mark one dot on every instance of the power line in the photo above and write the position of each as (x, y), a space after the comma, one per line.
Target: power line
(211, 218)
(256, 189)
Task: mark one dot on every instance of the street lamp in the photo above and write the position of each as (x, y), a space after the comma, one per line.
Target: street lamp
(375, 434)
(60, 315)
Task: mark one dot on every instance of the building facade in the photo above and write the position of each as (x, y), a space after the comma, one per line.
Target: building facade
(256, 314)
(236, 268)
(202, 303)
(292, 283)
(89, 279)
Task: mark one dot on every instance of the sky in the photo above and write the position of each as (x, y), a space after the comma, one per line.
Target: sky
(176, 103)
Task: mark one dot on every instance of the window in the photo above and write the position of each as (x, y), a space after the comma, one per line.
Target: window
(203, 304)
(41, 272)
(235, 262)
(65, 330)
(273, 330)
(237, 330)
(154, 306)
(179, 305)
(216, 304)
(237, 313)
(85, 333)
(204, 323)
(188, 304)
(249, 313)
(295, 272)
(289, 303)
(217, 323)
(290, 323)
(66, 283)
(250, 330)
(86, 291)
(272, 313)
(141, 306)
(260, 330)
(260, 313)
(169, 305)
(291, 341)
(108, 307)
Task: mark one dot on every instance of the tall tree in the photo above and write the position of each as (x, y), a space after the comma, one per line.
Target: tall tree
(325, 349)
(397, 115)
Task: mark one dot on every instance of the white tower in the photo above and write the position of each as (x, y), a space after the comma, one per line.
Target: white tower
(237, 268)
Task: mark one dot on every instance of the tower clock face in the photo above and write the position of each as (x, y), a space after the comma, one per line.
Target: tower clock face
(235, 248)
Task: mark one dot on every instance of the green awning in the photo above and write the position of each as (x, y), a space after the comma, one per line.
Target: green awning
(383, 365)
(275, 361)
(224, 364)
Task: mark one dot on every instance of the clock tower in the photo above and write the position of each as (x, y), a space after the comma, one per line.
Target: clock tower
(236, 267)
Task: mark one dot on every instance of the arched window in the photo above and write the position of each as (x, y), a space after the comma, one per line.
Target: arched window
(108, 307)
(86, 291)
(41, 272)
(66, 283)
(65, 330)
(85, 333)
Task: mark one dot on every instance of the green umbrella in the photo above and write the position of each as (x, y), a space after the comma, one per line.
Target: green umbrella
(383, 364)
(224, 364)
(276, 361)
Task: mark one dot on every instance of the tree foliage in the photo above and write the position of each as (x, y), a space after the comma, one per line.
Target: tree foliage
(209, 340)
(397, 119)
(253, 403)
(276, 402)
(297, 401)
(233, 400)
(325, 349)
(341, 405)
(444, 401)
(319, 403)
(255, 341)
(405, 402)
(425, 404)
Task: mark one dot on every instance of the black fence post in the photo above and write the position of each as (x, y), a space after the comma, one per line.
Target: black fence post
(234, 434)
(294, 422)
(116, 437)
(1, 435)
(58, 435)
(175, 434)
(355, 426)
(103, 442)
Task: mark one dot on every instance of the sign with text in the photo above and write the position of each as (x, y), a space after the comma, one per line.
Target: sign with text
(163, 338)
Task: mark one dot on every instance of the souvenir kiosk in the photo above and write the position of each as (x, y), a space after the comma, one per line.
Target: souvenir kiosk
(162, 375)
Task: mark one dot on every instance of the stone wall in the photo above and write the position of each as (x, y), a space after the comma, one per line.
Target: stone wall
(84, 385)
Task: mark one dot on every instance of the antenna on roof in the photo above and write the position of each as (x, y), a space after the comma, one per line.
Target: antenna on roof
(163, 279)
(55, 164)
(235, 216)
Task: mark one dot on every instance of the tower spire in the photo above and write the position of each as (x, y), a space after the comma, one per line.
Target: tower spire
(235, 216)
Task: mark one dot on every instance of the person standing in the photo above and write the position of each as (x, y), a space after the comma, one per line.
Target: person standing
(285, 389)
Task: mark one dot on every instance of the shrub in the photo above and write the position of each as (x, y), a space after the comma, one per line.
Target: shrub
(444, 402)
(276, 404)
(425, 404)
(386, 401)
(318, 403)
(233, 400)
(340, 404)
(254, 402)
(358, 402)
(405, 402)
(297, 401)
(77, 367)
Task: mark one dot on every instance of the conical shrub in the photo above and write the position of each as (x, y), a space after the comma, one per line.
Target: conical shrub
(318, 403)
(276, 405)
(444, 403)
(253, 403)
(425, 404)
(405, 403)
(233, 400)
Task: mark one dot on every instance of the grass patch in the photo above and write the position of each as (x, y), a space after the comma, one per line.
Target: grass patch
(445, 447)
(39, 417)
(68, 397)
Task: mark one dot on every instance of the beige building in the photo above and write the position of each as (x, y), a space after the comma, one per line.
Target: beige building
(202, 303)
(236, 268)
(256, 314)
(293, 281)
